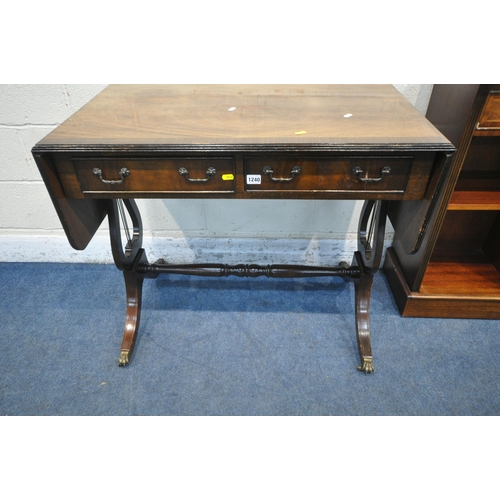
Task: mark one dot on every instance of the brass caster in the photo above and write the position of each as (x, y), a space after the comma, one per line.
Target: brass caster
(123, 359)
(367, 365)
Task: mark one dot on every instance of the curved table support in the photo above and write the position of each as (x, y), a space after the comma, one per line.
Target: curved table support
(127, 258)
(371, 235)
(133, 287)
(131, 259)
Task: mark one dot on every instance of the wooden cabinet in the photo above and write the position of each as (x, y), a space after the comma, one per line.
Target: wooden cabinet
(462, 275)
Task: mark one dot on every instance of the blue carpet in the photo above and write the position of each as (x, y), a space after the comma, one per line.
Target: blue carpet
(230, 346)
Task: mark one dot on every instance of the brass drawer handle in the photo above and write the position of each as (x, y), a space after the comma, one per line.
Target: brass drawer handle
(209, 173)
(122, 173)
(359, 172)
(269, 171)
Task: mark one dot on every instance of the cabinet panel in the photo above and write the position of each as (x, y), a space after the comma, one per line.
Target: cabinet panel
(463, 234)
(480, 170)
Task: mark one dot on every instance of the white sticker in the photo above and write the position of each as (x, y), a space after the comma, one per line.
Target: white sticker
(253, 179)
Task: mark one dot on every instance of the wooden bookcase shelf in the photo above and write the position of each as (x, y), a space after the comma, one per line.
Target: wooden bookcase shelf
(462, 264)
(467, 278)
(475, 200)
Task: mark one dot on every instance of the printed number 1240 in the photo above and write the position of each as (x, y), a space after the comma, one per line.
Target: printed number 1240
(253, 179)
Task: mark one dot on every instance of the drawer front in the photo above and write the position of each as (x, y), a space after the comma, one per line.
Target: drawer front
(150, 175)
(346, 174)
(490, 116)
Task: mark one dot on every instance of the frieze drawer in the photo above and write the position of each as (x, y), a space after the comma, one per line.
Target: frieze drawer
(146, 176)
(374, 174)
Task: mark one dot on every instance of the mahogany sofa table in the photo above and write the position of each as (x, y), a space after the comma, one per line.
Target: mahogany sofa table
(360, 142)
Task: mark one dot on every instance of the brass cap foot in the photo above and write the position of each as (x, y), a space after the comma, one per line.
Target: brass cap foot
(123, 359)
(367, 365)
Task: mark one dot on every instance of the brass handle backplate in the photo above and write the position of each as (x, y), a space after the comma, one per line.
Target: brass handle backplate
(359, 172)
(122, 173)
(269, 171)
(209, 173)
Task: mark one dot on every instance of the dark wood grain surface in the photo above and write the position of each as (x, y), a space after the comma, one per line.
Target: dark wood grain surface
(263, 114)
